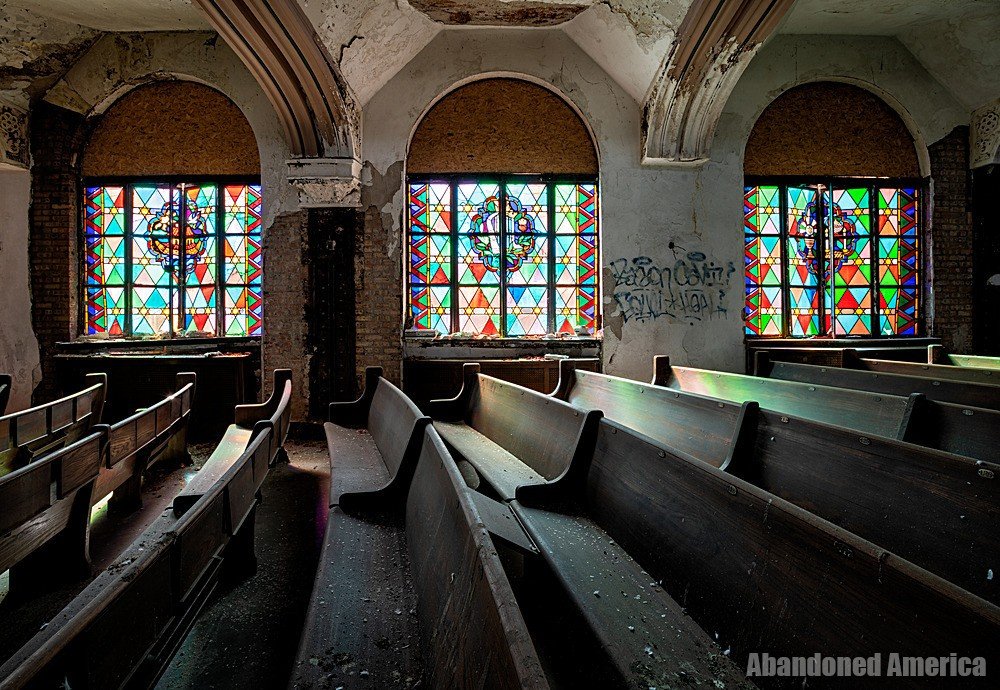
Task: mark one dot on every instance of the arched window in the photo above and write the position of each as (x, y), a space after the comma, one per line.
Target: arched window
(172, 216)
(833, 206)
(503, 215)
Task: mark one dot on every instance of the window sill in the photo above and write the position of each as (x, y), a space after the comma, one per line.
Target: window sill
(161, 346)
(860, 341)
(499, 348)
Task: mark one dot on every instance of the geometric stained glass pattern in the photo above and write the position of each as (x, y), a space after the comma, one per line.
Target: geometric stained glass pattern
(829, 259)
(167, 258)
(508, 256)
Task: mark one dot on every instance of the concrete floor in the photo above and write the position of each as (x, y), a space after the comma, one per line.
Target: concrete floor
(248, 633)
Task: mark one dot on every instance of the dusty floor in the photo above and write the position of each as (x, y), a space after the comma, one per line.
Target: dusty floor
(248, 634)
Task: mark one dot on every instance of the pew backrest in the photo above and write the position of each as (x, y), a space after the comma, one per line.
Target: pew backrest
(932, 508)
(768, 576)
(941, 372)
(542, 432)
(697, 425)
(937, 355)
(950, 391)
(38, 500)
(872, 413)
(37, 430)
(469, 619)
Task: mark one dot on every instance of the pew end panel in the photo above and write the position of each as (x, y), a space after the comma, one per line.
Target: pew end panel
(250, 414)
(354, 414)
(470, 622)
(456, 409)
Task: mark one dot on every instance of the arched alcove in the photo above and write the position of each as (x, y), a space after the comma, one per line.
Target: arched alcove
(502, 231)
(171, 128)
(830, 128)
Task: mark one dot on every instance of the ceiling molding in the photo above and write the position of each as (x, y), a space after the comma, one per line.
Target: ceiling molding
(715, 43)
(280, 47)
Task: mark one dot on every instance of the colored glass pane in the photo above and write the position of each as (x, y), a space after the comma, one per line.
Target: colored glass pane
(763, 306)
(898, 260)
(160, 269)
(516, 257)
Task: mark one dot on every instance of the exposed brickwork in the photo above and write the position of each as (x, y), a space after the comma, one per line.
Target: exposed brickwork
(378, 282)
(54, 252)
(951, 249)
(286, 290)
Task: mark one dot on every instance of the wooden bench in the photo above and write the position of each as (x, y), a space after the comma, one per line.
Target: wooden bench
(758, 572)
(416, 594)
(937, 355)
(962, 430)
(945, 372)
(514, 436)
(45, 515)
(123, 629)
(930, 507)
(6, 380)
(156, 433)
(38, 430)
(964, 393)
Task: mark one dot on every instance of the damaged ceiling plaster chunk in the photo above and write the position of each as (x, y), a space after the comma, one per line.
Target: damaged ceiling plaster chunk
(532, 13)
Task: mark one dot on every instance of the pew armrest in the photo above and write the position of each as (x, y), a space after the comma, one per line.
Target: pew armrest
(454, 409)
(248, 415)
(567, 377)
(354, 413)
(6, 380)
(661, 370)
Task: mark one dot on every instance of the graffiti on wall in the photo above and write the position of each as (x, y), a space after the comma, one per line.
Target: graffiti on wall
(690, 288)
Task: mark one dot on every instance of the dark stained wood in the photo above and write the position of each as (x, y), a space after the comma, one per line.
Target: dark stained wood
(767, 576)
(693, 424)
(38, 430)
(5, 383)
(39, 506)
(937, 355)
(362, 616)
(514, 436)
(124, 627)
(941, 390)
(472, 628)
(374, 443)
(932, 371)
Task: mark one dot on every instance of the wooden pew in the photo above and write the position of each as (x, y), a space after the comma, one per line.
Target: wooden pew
(962, 430)
(935, 509)
(940, 372)
(443, 617)
(38, 430)
(142, 439)
(957, 392)
(937, 355)
(759, 572)
(513, 436)
(45, 515)
(6, 380)
(123, 629)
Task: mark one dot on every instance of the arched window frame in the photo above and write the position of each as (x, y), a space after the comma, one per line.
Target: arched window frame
(588, 276)
(252, 231)
(912, 290)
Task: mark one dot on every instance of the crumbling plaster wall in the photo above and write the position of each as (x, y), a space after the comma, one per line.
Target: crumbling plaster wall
(672, 250)
(657, 225)
(118, 63)
(18, 345)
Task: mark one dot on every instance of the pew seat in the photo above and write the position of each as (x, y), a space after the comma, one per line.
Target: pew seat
(511, 435)
(410, 591)
(251, 421)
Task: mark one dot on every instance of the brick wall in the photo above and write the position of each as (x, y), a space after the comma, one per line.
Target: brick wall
(379, 306)
(56, 138)
(951, 249)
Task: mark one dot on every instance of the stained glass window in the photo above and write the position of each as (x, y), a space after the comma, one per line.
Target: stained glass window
(506, 256)
(165, 259)
(838, 258)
